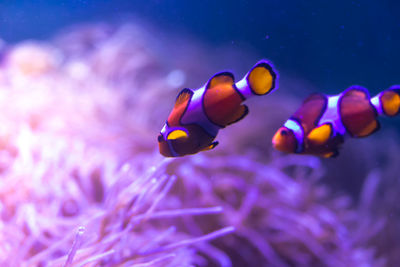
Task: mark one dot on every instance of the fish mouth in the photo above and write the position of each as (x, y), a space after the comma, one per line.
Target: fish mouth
(165, 149)
(284, 140)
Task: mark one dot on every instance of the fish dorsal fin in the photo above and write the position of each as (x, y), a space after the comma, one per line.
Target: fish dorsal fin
(357, 91)
(220, 78)
(310, 112)
(183, 96)
(321, 134)
(357, 113)
(314, 97)
(181, 103)
(261, 78)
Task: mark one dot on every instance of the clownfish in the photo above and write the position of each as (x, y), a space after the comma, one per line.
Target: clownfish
(199, 114)
(321, 124)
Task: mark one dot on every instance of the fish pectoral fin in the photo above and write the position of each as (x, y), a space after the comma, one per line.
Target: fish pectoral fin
(321, 134)
(238, 115)
(220, 78)
(331, 154)
(357, 91)
(261, 78)
(211, 146)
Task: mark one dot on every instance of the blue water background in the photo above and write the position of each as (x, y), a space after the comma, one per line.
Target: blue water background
(331, 44)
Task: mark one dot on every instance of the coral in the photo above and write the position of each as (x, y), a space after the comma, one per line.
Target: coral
(82, 182)
(280, 219)
(76, 187)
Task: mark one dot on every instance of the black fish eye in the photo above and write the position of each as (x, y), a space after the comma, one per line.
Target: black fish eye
(160, 138)
(284, 132)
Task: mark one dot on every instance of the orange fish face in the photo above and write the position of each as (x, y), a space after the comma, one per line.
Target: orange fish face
(285, 140)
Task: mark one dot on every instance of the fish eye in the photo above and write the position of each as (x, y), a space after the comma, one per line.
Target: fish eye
(160, 138)
(284, 132)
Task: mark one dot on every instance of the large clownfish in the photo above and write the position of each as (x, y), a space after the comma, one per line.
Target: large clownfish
(322, 123)
(199, 114)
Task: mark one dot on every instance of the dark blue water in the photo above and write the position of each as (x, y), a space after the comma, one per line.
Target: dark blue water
(332, 44)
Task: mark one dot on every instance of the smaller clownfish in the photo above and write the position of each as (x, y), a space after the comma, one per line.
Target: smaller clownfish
(199, 114)
(321, 124)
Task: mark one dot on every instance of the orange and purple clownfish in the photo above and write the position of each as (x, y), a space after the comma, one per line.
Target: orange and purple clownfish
(199, 114)
(322, 123)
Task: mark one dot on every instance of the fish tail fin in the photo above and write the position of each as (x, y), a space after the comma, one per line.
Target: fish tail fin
(388, 101)
(262, 78)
